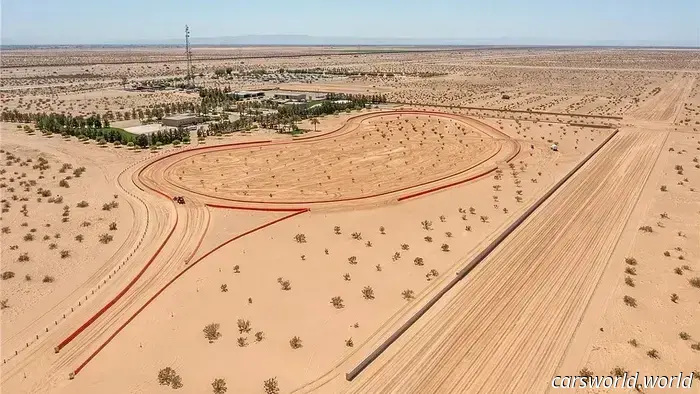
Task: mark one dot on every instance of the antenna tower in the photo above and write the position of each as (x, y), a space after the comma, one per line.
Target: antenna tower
(188, 53)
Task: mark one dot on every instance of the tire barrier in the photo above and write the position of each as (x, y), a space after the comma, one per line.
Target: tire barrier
(352, 374)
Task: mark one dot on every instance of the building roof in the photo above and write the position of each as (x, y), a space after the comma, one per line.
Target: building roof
(248, 92)
(180, 117)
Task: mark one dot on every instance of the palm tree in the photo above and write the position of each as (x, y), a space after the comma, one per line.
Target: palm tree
(314, 122)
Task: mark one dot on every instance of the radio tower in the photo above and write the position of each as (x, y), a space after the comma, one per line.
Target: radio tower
(188, 52)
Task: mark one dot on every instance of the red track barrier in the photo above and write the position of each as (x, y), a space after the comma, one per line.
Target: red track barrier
(111, 337)
(424, 192)
(99, 313)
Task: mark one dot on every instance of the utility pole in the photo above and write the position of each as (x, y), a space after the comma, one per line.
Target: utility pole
(188, 53)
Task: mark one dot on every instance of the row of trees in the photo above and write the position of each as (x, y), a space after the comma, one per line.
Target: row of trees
(221, 72)
(162, 137)
(226, 127)
(59, 123)
(157, 111)
(96, 127)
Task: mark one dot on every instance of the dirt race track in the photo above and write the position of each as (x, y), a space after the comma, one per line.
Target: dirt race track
(530, 293)
(172, 233)
(372, 157)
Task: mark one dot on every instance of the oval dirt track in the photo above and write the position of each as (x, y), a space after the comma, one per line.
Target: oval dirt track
(373, 155)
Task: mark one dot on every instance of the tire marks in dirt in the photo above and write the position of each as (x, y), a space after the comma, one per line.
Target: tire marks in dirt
(507, 326)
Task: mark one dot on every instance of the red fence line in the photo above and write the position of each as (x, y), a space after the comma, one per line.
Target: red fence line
(423, 192)
(148, 302)
(131, 283)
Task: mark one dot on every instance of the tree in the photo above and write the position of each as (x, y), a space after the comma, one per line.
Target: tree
(219, 386)
(314, 122)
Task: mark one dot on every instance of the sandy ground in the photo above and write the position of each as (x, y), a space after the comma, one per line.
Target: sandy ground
(556, 284)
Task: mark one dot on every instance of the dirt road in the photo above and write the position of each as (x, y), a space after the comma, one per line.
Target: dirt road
(508, 325)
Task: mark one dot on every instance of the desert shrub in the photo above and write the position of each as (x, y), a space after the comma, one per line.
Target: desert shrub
(64, 254)
(63, 183)
(695, 282)
(27, 277)
(586, 373)
(695, 346)
(378, 267)
(418, 261)
(678, 270)
(48, 279)
(356, 235)
(284, 283)
(382, 230)
(633, 342)
(259, 336)
(427, 225)
(646, 229)
(684, 336)
(396, 256)
(674, 297)
(404, 247)
(667, 253)
(242, 341)
(271, 386)
(346, 277)
(4, 304)
(631, 270)
(431, 274)
(630, 301)
(336, 230)
(445, 247)
(664, 188)
(368, 244)
(349, 342)
(7, 275)
(106, 207)
(224, 288)
(85, 224)
(243, 326)
(113, 226)
(82, 204)
(300, 238)
(484, 219)
(106, 238)
(629, 281)
(79, 237)
(337, 302)
(352, 260)
(631, 260)
(653, 353)
(618, 371)
(211, 332)
(168, 377)
(6, 230)
(368, 293)
(23, 258)
(295, 342)
(218, 385)
(28, 237)
(428, 239)
(408, 294)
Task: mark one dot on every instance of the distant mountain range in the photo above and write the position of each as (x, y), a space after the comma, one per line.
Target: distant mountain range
(305, 40)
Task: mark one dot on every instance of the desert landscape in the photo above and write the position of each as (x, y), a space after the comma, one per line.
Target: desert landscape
(421, 220)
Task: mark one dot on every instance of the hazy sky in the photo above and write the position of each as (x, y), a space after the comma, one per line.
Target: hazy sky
(104, 21)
